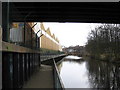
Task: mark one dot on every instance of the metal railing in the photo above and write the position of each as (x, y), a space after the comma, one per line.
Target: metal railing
(57, 80)
(46, 57)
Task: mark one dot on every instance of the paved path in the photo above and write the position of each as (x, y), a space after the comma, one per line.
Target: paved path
(41, 79)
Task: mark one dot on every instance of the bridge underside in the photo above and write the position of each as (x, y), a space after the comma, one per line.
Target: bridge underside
(20, 64)
(64, 12)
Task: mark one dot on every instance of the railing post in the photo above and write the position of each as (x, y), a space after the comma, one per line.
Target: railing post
(29, 65)
(21, 71)
(16, 70)
(7, 67)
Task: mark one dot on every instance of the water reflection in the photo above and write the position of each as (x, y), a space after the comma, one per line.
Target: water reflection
(72, 57)
(74, 73)
(89, 74)
(103, 75)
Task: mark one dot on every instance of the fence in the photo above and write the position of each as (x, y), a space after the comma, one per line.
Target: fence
(57, 80)
(17, 68)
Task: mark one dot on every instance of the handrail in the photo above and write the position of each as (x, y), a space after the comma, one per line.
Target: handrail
(55, 66)
(46, 57)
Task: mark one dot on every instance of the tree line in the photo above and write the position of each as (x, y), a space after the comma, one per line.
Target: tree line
(104, 42)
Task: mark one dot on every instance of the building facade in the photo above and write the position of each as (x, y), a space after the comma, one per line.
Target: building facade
(47, 39)
(26, 34)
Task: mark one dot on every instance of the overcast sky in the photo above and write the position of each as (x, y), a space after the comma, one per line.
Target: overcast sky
(70, 34)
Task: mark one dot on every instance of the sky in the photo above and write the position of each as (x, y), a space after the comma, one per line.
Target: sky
(70, 34)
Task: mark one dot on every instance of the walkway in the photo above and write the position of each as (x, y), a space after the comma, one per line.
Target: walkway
(41, 79)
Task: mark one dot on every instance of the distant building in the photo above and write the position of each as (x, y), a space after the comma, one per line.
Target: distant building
(75, 50)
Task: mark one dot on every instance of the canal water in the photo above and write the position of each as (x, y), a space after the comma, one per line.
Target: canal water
(76, 72)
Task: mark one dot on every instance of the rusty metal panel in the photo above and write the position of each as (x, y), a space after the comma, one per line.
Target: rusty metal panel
(16, 35)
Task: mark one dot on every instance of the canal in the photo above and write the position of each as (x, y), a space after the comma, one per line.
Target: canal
(76, 72)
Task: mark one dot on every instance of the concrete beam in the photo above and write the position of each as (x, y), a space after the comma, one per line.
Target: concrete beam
(8, 47)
